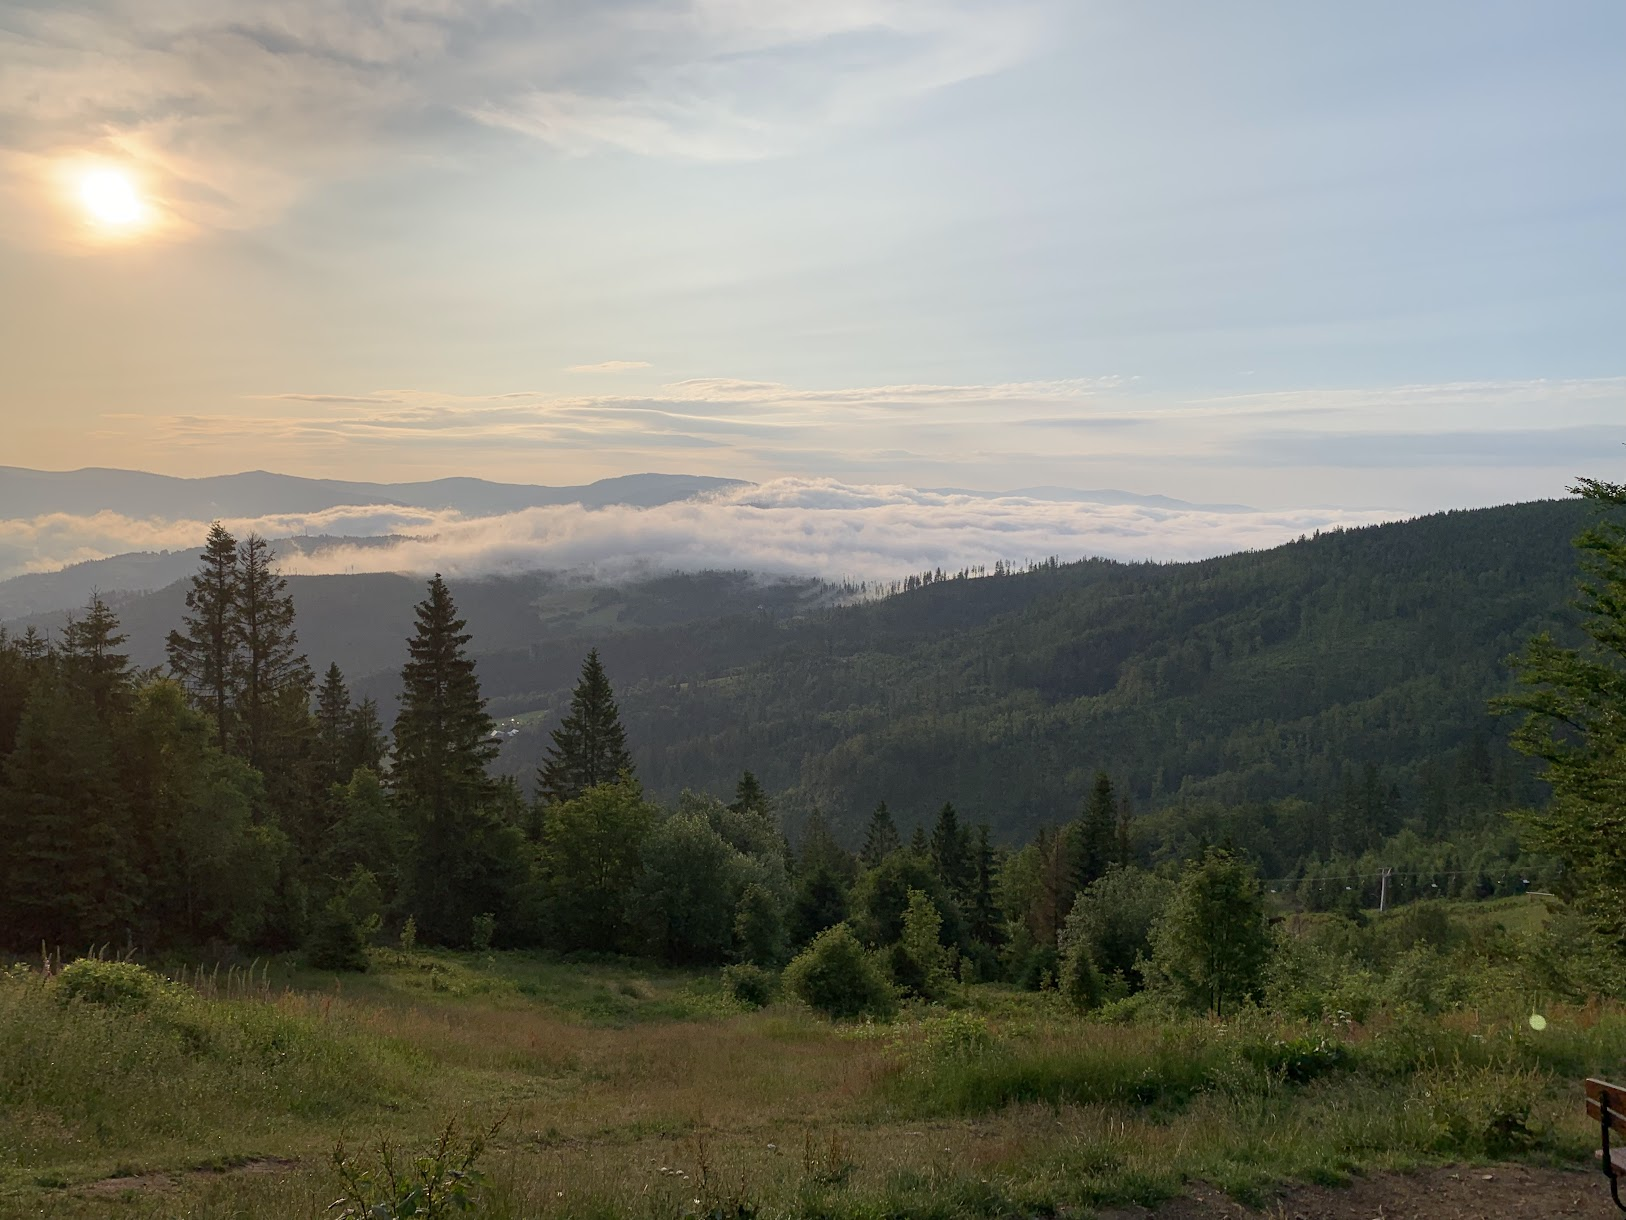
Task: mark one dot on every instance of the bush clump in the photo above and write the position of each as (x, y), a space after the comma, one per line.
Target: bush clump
(336, 941)
(834, 975)
(749, 984)
(109, 984)
(1080, 981)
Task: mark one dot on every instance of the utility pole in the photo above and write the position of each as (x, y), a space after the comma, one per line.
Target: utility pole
(1383, 889)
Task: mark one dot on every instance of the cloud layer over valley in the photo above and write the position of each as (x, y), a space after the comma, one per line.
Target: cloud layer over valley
(792, 525)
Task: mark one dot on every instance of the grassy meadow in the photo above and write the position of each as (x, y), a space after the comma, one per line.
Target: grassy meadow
(623, 1090)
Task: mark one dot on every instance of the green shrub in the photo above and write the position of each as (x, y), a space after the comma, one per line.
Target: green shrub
(1080, 981)
(1039, 969)
(1298, 1060)
(336, 941)
(750, 984)
(439, 1182)
(835, 976)
(483, 928)
(1478, 1111)
(111, 984)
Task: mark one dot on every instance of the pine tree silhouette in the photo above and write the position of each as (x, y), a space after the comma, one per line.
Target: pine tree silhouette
(881, 839)
(204, 653)
(589, 746)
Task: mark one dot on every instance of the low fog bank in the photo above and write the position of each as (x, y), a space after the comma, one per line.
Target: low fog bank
(817, 527)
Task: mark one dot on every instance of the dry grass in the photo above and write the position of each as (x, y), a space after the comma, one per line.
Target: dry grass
(625, 1109)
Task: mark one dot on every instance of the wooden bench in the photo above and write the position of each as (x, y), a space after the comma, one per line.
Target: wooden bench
(1607, 1103)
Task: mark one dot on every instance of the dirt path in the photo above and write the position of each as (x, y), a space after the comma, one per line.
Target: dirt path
(146, 1182)
(1501, 1192)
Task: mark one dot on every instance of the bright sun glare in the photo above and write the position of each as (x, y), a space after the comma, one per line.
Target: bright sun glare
(110, 199)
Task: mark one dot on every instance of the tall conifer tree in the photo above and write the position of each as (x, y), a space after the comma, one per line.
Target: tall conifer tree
(273, 670)
(442, 745)
(66, 876)
(589, 746)
(881, 839)
(751, 797)
(983, 914)
(368, 741)
(92, 660)
(333, 727)
(442, 734)
(1094, 837)
(204, 653)
(950, 852)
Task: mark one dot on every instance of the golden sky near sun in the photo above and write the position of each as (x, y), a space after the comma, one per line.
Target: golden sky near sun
(105, 200)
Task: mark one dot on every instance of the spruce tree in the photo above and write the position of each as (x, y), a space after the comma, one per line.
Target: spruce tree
(66, 875)
(442, 734)
(1094, 837)
(881, 839)
(950, 852)
(333, 728)
(367, 742)
(1574, 700)
(589, 746)
(983, 914)
(442, 745)
(751, 797)
(272, 668)
(204, 653)
(92, 660)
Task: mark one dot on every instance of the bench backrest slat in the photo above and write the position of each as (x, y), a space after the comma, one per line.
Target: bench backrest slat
(1596, 1091)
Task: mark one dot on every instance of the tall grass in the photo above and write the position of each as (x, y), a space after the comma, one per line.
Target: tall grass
(85, 1082)
(1011, 1108)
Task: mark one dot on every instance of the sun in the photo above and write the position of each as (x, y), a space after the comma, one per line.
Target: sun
(110, 199)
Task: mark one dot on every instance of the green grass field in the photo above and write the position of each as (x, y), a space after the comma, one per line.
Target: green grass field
(626, 1091)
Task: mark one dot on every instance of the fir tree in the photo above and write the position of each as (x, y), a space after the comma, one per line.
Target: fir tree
(333, 728)
(983, 913)
(881, 839)
(1574, 700)
(751, 797)
(204, 653)
(950, 852)
(442, 745)
(92, 660)
(272, 668)
(66, 876)
(368, 743)
(589, 746)
(820, 850)
(1093, 838)
(919, 844)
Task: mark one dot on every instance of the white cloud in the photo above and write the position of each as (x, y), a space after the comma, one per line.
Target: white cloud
(608, 366)
(229, 113)
(818, 526)
(51, 541)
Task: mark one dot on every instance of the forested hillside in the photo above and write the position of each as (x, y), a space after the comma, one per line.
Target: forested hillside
(1279, 674)
(1349, 671)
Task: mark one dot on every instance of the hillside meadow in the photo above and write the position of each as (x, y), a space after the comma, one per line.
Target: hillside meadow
(616, 1089)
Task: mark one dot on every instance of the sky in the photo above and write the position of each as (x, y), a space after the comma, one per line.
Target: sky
(1369, 256)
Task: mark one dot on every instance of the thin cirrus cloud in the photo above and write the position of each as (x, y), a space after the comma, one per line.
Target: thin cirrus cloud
(230, 115)
(608, 366)
(821, 527)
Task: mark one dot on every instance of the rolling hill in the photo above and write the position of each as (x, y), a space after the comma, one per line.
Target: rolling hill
(1358, 656)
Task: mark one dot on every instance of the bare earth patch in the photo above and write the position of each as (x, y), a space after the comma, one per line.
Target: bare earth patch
(144, 1183)
(1501, 1192)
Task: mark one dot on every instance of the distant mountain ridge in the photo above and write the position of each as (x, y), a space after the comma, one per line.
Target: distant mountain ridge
(1105, 495)
(258, 493)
